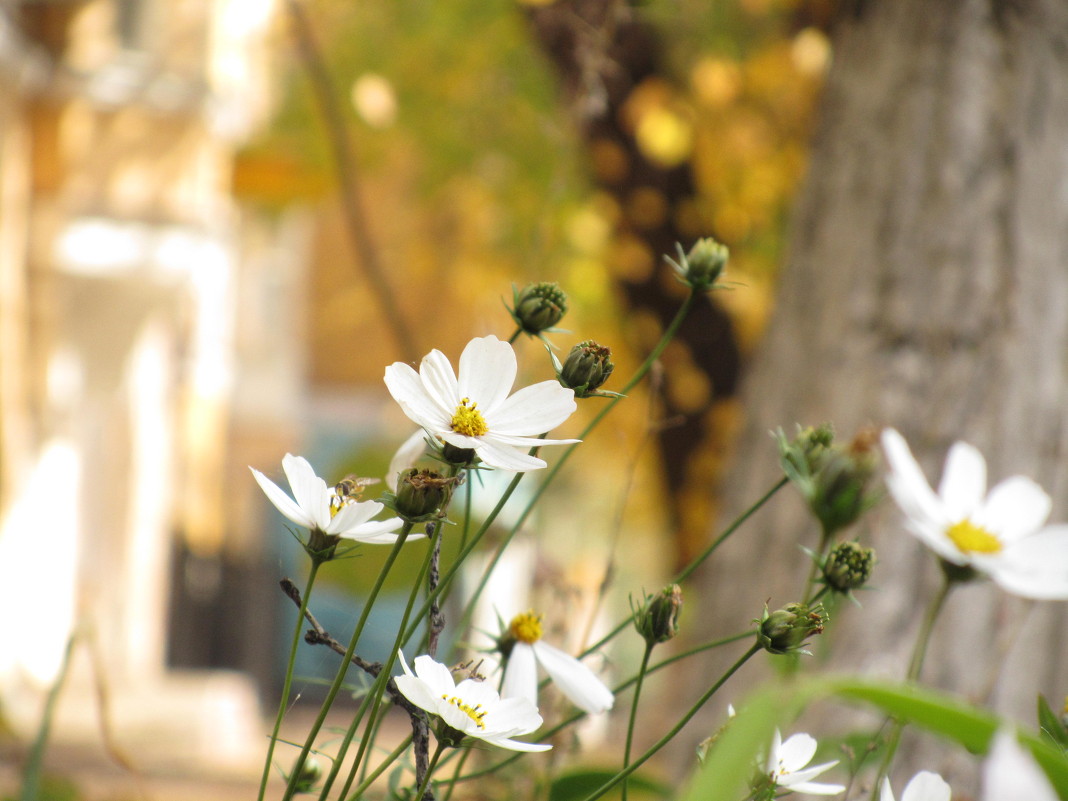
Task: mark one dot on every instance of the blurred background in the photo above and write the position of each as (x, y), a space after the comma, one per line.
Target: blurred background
(220, 220)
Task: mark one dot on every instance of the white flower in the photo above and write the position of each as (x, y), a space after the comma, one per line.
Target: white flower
(471, 707)
(924, 786)
(318, 507)
(574, 679)
(998, 533)
(475, 411)
(786, 766)
(1011, 774)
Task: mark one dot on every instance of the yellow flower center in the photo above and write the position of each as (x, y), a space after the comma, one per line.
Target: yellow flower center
(971, 538)
(476, 712)
(469, 420)
(526, 627)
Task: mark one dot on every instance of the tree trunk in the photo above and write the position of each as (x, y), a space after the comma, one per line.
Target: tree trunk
(927, 290)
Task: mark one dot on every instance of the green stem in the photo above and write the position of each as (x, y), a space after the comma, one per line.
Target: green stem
(346, 660)
(456, 773)
(625, 772)
(634, 710)
(808, 587)
(31, 776)
(394, 755)
(288, 682)
(919, 653)
(515, 336)
(378, 689)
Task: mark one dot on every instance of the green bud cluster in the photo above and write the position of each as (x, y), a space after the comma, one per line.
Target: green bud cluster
(701, 268)
(657, 619)
(538, 307)
(786, 630)
(586, 368)
(848, 566)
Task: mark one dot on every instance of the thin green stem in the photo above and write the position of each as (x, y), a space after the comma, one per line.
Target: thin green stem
(515, 336)
(456, 773)
(368, 780)
(31, 775)
(919, 653)
(629, 769)
(378, 689)
(346, 660)
(634, 709)
(807, 589)
(287, 684)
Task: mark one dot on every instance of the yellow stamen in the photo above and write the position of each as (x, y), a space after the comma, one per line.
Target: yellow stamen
(971, 538)
(476, 712)
(526, 627)
(469, 420)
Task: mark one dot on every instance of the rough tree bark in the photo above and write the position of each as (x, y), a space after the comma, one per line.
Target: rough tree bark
(928, 290)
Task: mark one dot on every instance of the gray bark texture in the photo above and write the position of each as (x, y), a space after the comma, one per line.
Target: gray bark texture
(927, 289)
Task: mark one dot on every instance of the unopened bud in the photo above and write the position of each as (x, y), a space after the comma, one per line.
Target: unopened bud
(538, 307)
(586, 368)
(848, 566)
(657, 619)
(703, 265)
(422, 493)
(310, 774)
(786, 630)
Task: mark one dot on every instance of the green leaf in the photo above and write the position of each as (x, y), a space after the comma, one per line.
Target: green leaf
(578, 785)
(1050, 725)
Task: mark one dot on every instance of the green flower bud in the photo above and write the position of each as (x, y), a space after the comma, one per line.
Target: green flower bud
(310, 774)
(848, 566)
(786, 630)
(703, 265)
(802, 456)
(840, 491)
(422, 493)
(538, 307)
(461, 457)
(586, 368)
(657, 620)
(320, 545)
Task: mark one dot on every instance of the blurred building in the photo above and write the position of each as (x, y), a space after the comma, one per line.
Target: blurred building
(132, 290)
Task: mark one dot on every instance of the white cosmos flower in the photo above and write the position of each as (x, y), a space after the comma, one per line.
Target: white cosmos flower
(998, 533)
(325, 508)
(786, 766)
(471, 707)
(1010, 773)
(475, 410)
(574, 679)
(924, 786)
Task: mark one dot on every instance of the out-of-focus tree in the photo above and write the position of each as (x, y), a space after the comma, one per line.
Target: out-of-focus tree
(925, 289)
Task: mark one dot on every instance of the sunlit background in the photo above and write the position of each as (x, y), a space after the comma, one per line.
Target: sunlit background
(183, 294)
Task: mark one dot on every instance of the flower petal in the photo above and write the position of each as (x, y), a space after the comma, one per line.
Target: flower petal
(532, 410)
(817, 788)
(282, 502)
(907, 484)
(507, 458)
(574, 679)
(439, 380)
(796, 778)
(415, 689)
(924, 786)
(435, 675)
(407, 389)
(1014, 508)
(1011, 774)
(1034, 567)
(521, 674)
(405, 457)
(487, 371)
(963, 482)
(309, 491)
(514, 745)
(797, 752)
